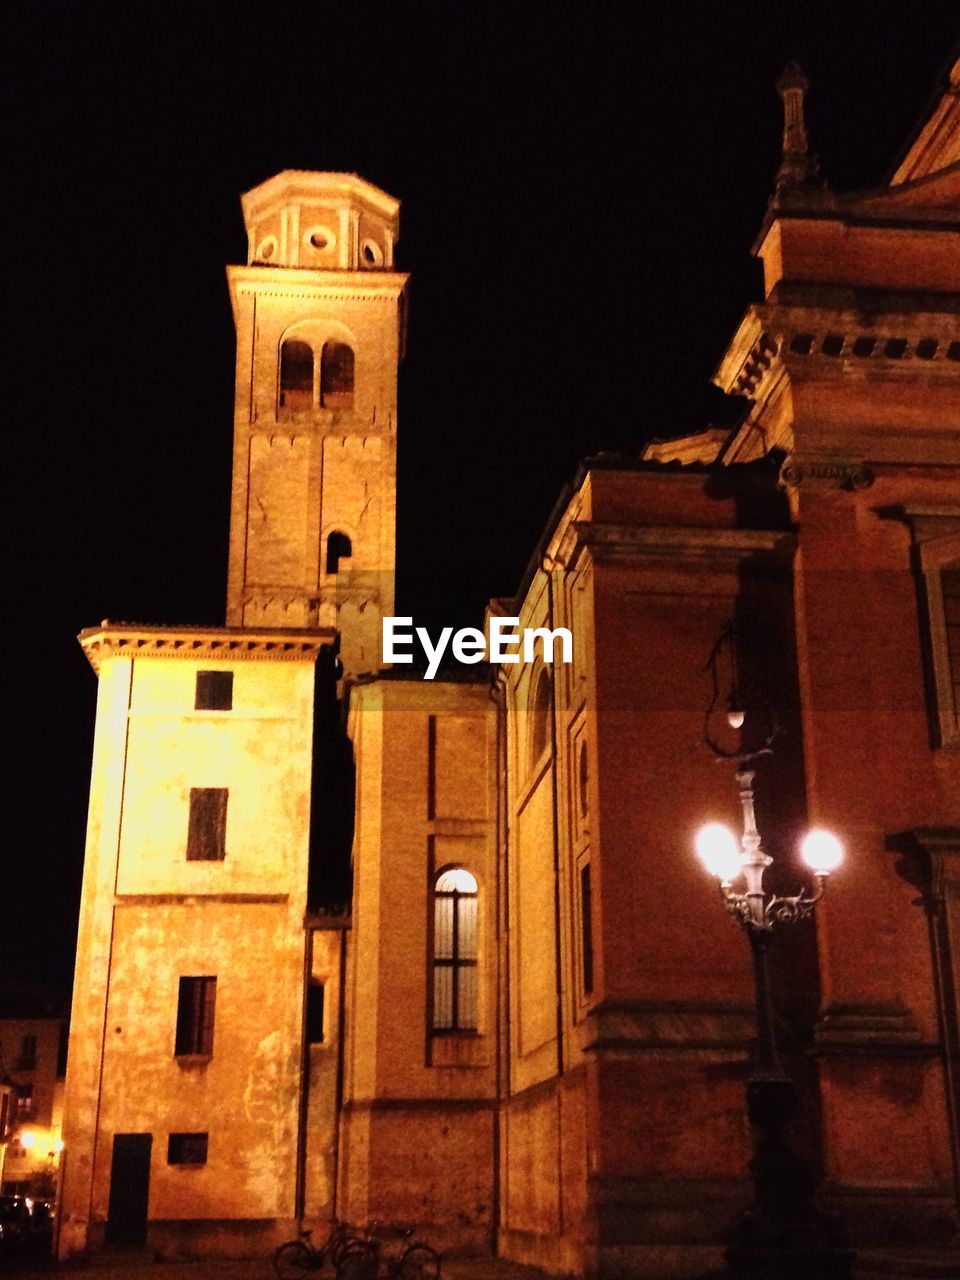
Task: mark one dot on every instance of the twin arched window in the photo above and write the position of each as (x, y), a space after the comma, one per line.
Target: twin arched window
(455, 995)
(306, 381)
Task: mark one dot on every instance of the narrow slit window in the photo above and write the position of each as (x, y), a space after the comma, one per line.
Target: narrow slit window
(950, 582)
(315, 1003)
(336, 376)
(455, 991)
(196, 1005)
(207, 829)
(586, 928)
(541, 716)
(296, 376)
(214, 691)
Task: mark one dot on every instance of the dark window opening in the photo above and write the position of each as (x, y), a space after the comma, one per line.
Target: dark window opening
(455, 993)
(207, 830)
(315, 1013)
(953, 351)
(336, 376)
(187, 1148)
(583, 778)
(802, 343)
(196, 1004)
(950, 580)
(339, 547)
(863, 347)
(214, 691)
(296, 375)
(28, 1053)
(832, 344)
(541, 716)
(895, 348)
(586, 929)
(927, 348)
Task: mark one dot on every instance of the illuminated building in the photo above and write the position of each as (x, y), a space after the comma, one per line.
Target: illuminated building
(530, 1029)
(32, 1064)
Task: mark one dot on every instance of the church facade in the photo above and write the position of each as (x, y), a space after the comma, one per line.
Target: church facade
(521, 1021)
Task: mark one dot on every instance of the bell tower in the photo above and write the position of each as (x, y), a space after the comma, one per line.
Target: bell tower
(318, 311)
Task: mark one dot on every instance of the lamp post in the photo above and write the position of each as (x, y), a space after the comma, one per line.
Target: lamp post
(783, 1233)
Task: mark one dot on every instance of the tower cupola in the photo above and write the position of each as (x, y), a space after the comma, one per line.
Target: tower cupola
(328, 221)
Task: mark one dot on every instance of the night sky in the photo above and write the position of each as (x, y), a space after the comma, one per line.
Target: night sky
(579, 193)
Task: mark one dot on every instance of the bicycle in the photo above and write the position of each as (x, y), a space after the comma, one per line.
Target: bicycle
(298, 1257)
(366, 1260)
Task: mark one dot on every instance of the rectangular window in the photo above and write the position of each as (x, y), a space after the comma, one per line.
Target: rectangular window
(28, 1053)
(195, 1010)
(23, 1107)
(187, 1148)
(315, 1013)
(586, 929)
(214, 691)
(206, 835)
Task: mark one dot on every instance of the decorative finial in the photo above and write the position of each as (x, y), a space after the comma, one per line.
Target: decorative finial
(799, 167)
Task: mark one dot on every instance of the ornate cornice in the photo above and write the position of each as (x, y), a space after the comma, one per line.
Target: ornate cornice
(833, 472)
(826, 341)
(127, 640)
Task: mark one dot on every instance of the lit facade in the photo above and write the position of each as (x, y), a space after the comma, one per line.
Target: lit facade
(530, 1029)
(32, 1064)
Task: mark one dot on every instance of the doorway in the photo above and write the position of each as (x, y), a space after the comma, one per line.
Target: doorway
(129, 1188)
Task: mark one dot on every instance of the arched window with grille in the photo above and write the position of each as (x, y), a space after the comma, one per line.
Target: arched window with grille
(296, 376)
(336, 376)
(455, 991)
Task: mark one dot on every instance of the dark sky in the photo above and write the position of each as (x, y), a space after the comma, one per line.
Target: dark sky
(580, 190)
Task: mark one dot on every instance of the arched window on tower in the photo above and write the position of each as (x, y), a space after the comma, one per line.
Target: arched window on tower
(454, 951)
(336, 376)
(296, 376)
(540, 716)
(339, 548)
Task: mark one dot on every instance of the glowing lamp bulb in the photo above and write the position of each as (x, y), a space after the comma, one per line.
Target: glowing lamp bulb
(718, 851)
(28, 1140)
(58, 1145)
(822, 851)
(735, 718)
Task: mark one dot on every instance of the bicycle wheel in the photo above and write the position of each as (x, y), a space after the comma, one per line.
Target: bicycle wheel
(360, 1261)
(419, 1262)
(292, 1260)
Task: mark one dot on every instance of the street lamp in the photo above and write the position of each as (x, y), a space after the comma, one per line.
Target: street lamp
(783, 1233)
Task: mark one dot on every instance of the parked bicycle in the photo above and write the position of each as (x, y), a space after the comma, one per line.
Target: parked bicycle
(369, 1260)
(298, 1257)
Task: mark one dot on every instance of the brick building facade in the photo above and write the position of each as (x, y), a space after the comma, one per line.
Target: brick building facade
(529, 1028)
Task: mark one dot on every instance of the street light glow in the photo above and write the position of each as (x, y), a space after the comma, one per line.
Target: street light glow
(718, 851)
(822, 851)
(28, 1140)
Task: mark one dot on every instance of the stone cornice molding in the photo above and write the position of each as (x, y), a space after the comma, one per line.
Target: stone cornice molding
(615, 1026)
(126, 640)
(621, 543)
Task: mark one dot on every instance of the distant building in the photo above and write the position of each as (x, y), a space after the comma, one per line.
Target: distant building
(32, 1070)
(522, 1022)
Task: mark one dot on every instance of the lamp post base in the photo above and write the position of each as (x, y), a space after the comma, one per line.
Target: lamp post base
(784, 1234)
